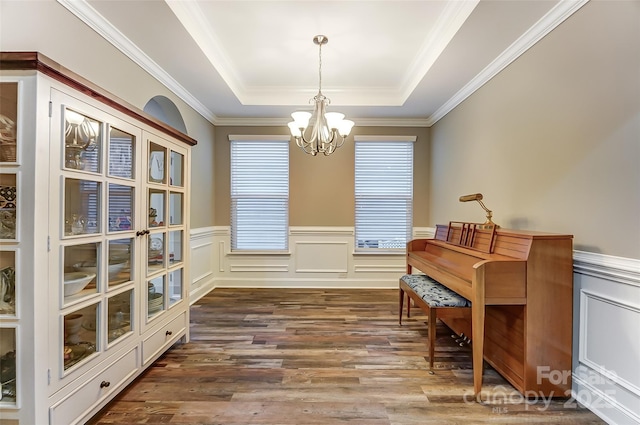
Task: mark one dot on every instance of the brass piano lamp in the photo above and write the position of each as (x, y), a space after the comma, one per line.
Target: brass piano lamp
(478, 197)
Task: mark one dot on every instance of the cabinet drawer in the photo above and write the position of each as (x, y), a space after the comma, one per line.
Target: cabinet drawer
(163, 337)
(104, 385)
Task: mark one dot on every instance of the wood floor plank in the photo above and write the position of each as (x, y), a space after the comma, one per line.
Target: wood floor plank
(320, 356)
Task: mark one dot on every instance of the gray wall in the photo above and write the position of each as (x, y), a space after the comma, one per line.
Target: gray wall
(553, 141)
(47, 27)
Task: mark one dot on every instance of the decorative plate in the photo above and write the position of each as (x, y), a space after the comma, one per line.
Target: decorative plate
(8, 197)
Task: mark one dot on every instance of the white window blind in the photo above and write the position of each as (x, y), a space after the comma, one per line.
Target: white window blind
(259, 194)
(384, 193)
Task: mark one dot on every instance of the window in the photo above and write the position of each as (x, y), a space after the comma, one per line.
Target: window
(384, 192)
(259, 192)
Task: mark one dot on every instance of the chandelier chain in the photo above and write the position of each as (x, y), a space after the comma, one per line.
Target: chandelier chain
(320, 68)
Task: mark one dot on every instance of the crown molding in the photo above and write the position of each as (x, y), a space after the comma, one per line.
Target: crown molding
(557, 15)
(360, 122)
(98, 23)
(544, 26)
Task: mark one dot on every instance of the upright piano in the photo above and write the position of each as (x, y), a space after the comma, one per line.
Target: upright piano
(520, 284)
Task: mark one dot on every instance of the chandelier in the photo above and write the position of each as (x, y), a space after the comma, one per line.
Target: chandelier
(329, 129)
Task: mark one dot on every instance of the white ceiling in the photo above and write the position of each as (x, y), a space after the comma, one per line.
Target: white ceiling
(386, 63)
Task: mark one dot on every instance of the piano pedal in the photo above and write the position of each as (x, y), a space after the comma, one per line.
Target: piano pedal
(462, 340)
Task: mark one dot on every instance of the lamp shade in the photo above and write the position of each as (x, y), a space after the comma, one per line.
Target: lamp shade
(301, 118)
(295, 130)
(344, 127)
(333, 119)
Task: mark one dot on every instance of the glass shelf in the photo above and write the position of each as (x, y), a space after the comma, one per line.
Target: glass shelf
(120, 253)
(175, 286)
(157, 166)
(8, 356)
(121, 154)
(82, 207)
(81, 274)
(8, 120)
(155, 296)
(80, 336)
(119, 314)
(8, 206)
(176, 170)
(8, 283)
(82, 138)
(175, 247)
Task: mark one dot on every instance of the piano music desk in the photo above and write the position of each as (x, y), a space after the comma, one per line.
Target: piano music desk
(521, 290)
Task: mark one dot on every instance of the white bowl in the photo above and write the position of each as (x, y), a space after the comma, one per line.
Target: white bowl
(75, 282)
(90, 267)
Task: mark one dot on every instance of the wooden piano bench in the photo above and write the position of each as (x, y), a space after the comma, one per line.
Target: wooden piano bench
(435, 299)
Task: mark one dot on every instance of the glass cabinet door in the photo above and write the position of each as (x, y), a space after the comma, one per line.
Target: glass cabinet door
(10, 244)
(96, 176)
(166, 200)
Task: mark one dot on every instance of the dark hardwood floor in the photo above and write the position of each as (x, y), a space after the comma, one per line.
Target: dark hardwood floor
(315, 356)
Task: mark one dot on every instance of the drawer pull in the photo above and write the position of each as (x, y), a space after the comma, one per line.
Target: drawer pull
(104, 384)
(168, 333)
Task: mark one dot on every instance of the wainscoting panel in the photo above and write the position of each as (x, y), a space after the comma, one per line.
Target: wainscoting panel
(202, 251)
(606, 376)
(321, 257)
(318, 257)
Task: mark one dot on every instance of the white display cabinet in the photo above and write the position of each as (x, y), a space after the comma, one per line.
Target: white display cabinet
(93, 224)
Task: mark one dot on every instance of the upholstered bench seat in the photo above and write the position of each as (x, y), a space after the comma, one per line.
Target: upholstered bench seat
(434, 293)
(435, 299)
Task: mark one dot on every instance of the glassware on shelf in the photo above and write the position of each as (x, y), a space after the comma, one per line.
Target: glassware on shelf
(155, 252)
(80, 335)
(157, 156)
(8, 118)
(77, 224)
(8, 365)
(121, 154)
(82, 207)
(82, 142)
(119, 261)
(8, 290)
(8, 206)
(119, 315)
(157, 208)
(155, 296)
(79, 280)
(120, 204)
